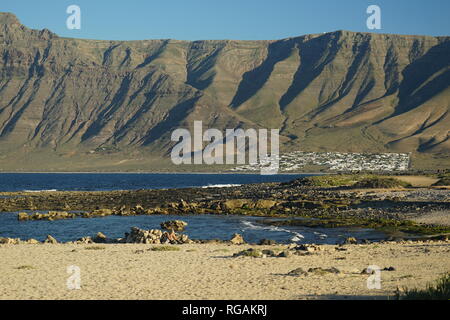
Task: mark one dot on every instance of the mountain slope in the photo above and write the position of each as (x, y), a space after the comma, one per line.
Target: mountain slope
(81, 103)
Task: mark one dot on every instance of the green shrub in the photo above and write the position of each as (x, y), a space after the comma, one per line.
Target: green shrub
(437, 291)
(327, 181)
(253, 253)
(380, 183)
(165, 248)
(352, 180)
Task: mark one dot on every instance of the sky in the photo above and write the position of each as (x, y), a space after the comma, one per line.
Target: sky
(229, 19)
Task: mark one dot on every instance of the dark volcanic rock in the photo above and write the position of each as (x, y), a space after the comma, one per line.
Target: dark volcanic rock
(175, 225)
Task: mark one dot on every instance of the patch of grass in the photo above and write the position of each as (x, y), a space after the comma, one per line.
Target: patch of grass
(354, 181)
(440, 290)
(327, 181)
(381, 183)
(165, 248)
(253, 253)
(25, 267)
(95, 248)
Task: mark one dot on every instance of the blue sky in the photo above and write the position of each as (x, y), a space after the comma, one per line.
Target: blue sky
(228, 19)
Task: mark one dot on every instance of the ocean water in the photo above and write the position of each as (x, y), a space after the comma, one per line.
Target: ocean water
(128, 181)
(199, 226)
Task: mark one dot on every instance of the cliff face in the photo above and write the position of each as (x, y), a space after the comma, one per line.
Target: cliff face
(339, 91)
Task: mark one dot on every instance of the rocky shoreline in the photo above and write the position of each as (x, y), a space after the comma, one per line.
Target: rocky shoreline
(317, 205)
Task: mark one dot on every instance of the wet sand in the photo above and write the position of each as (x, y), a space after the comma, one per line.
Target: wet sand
(208, 271)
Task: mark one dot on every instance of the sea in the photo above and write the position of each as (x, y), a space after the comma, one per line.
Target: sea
(199, 226)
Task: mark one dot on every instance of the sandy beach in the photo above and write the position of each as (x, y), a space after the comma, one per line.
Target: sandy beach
(208, 271)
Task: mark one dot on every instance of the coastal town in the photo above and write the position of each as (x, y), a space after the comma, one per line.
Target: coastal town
(337, 161)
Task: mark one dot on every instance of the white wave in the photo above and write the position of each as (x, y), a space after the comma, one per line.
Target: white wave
(296, 239)
(320, 235)
(220, 186)
(250, 226)
(48, 190)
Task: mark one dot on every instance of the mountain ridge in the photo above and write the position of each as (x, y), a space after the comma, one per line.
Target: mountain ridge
(339, 91)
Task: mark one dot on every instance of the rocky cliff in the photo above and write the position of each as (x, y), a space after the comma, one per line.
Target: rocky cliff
(79, 103)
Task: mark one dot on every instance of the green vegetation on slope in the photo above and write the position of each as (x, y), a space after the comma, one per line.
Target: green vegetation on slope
(354, 181)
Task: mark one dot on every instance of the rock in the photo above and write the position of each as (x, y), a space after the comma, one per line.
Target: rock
(237, 239)
(50, 216)
(36, 216)
(210, 241)
(389, 269)
(308, 248)
(138, 210)
(9, 241)
(163, 211)
(321, 271)
(285, 254)
(22, 216)
(254, 253)
(57, 215)
(100, 213)
(32, 241)
(136, 236)
(350, 240)
(269, 253)
(122, 211)
(234, 204)
(84, 240)
(184, 238)
(175, 225)
(184, 206)
(264, 204)
(267, 242)
(100, 238)
(297, 272)
(155, 237)
(367, 271)
(51, 240)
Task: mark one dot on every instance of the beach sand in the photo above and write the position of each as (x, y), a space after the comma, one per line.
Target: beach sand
(418, 181)
(208, 271)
